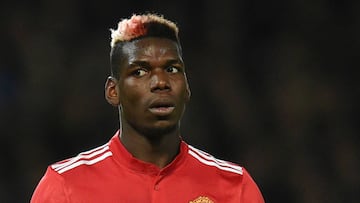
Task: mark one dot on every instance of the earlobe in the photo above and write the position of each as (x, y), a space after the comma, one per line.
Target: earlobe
(111, 91)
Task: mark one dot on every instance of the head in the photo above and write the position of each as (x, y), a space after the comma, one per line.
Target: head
(148, 81)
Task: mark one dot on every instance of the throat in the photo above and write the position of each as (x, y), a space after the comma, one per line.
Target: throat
(154, 150)
(161, 159)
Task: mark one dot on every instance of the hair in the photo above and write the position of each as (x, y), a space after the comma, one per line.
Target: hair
(137, 27)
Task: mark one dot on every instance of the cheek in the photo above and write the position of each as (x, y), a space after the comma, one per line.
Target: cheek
(131, 92)
(181, 86)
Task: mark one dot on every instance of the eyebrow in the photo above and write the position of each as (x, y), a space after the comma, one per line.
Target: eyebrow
(147, 64)
(138, 63)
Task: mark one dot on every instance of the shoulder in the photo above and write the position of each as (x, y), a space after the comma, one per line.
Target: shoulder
(86, 158)
(55, 185)
(50, 188)
(207, 160)
(234, 174)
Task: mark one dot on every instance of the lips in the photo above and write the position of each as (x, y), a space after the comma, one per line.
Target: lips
(161, 108)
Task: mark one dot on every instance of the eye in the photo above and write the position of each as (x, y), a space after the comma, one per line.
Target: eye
(139, 72)
(172, 69)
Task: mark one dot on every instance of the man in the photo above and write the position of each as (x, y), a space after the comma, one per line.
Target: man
(147, 160)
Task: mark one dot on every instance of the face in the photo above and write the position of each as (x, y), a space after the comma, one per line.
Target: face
(152, 87)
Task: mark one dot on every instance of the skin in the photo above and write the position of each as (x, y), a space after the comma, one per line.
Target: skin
(151, 94)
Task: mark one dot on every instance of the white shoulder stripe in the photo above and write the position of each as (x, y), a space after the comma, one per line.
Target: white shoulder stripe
(84, 155)
(95, 149)
(212, 158)
(208, 159)
(86, 162)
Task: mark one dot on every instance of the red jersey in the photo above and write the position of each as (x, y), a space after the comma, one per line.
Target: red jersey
(109, 173)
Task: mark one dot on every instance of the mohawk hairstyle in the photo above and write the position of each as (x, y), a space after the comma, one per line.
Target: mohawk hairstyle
(137, 27)
(143, 25)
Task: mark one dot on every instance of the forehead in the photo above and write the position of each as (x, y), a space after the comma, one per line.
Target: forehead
(151, 47)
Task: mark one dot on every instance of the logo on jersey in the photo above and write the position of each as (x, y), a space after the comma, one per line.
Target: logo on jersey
(202, 199)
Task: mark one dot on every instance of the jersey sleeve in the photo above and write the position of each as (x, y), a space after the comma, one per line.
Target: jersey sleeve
(250, 192)
(51, 189)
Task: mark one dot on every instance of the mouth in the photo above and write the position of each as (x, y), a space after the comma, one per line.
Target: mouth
(162, 108)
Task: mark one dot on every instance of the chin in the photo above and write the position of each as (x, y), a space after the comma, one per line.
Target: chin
(157, 131)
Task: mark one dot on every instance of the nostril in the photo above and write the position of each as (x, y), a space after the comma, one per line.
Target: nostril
(160, 87)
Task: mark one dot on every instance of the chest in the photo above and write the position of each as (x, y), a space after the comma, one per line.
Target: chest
(128, 186)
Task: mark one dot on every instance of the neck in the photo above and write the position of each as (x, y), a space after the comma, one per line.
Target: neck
(159, 149)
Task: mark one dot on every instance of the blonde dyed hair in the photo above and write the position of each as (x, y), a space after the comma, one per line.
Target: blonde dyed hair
(137, 26)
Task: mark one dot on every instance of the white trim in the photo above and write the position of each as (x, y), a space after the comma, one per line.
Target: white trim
(95, 149)
(86, 162)
(84, 155)
(212, 158)
(208, 159)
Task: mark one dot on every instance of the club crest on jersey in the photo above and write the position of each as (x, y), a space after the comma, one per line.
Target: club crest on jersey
(202, 199)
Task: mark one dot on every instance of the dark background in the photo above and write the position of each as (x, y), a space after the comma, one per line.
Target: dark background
(274, 88)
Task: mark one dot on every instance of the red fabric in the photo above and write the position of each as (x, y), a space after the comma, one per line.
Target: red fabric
(111, 174)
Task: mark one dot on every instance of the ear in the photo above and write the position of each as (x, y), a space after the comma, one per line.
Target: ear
(112, 91)
(187, 93)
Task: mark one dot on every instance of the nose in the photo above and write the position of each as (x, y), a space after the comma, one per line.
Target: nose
(160, 81)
